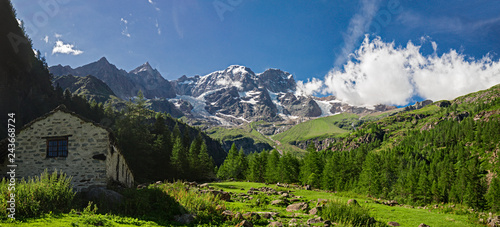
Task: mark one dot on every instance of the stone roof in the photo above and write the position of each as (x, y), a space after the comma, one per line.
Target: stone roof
(62, 108)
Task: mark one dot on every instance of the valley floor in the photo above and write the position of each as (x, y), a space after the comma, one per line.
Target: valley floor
(253, 201)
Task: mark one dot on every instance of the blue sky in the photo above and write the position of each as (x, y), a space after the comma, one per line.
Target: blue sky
(305, 38)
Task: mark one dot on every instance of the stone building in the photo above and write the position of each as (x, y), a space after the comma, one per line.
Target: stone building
(63, 140)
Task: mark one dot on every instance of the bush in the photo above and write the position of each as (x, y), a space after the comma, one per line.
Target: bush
(150, 203)
(39, 195)
(355, 215)
(207, 207)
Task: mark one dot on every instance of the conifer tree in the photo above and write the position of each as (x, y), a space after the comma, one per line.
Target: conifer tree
(206, 163)
(493, 195)
(178, 159)
(272, 174)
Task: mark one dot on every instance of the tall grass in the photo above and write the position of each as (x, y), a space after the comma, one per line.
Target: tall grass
(38, 195)
(351, 215)
(148, 203)
(207, 207)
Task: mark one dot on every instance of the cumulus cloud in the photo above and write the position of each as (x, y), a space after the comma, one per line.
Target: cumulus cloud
(46, 39)
(381, 73)
(63, 48)
(358, 25)
(309, 88)
(57, 35)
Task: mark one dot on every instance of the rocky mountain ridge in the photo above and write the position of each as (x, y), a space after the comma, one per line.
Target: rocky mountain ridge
(233, 96)
(124, 84)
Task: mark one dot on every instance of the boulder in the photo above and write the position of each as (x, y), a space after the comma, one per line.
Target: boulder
(392, 223)
(244, 223)
(205, 185)
(391, 203)
(296, 207)
(276, 224)
(314, 220)
(278, 202)
(108, 197)
(228, 213)
(251, 216)
(314, 211)
(222, 195)
(423, 225)
(238, 216)
(267, 215)
(308, 187)
(327, 223)
(493, 221)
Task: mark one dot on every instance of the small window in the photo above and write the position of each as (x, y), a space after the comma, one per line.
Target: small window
(57, 147)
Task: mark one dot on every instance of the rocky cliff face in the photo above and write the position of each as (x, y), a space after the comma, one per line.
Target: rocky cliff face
(152, 81)
(125, 85)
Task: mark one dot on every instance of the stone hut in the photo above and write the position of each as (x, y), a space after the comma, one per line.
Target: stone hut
(64, 141)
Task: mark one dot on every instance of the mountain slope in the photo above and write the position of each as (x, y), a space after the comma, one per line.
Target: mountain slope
(88, 86)
(125, 85)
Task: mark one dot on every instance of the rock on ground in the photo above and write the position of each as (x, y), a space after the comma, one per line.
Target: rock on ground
(392, 223)
(244, 223)
(296, 207)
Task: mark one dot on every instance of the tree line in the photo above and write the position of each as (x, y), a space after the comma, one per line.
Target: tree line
(454, 162)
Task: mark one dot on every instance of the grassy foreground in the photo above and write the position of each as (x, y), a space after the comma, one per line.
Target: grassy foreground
(260, 203)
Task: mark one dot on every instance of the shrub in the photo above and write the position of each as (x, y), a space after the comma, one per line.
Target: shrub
(39, 195)
(355, 215)
(150, 203)
(207, 207)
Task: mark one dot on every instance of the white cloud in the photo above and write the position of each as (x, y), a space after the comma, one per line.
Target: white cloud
(158, 27)
(125, 28)
(153, 3)
(358, 25)
(381, 73)
(57, 35)
(46, 39)
(309, 88)
(63, 48)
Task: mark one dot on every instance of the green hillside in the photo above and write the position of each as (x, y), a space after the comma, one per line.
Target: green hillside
(319, 128)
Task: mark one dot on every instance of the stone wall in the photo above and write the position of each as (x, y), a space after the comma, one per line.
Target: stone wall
(117, 169)
(87, 145)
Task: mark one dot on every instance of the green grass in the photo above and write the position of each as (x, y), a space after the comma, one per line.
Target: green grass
(235, 133)
(318, 128)
(405, 216)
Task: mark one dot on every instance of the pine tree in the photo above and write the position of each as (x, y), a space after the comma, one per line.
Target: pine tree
(493, 195)
(206, 163)
(193, 156)
(242, 164)
(272, 174)
(229, 169)
(178, 159)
